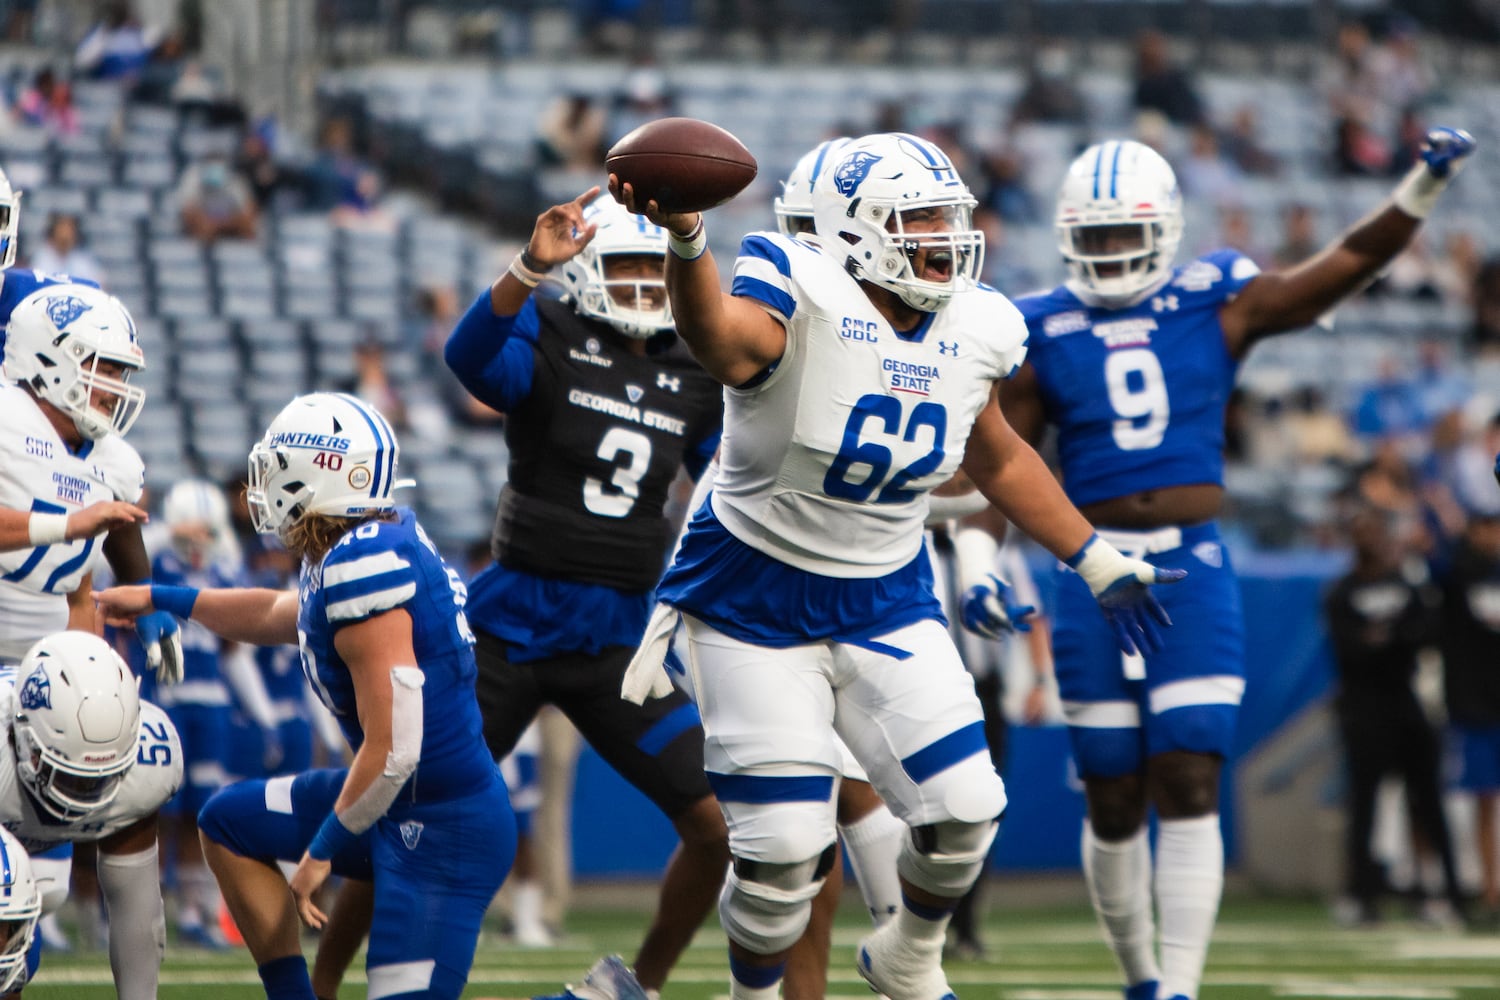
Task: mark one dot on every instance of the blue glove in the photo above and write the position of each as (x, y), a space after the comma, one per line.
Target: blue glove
(1122, 586)
(162, 638)
(987, 610)
(1444, 148)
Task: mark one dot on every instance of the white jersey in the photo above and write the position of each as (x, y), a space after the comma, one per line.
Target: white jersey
(826, 464)
(148, 784)
(39, 473)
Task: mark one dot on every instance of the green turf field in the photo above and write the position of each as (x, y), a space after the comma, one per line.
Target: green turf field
(1262, 950)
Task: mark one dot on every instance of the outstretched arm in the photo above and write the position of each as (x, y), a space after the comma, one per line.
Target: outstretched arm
(733, 338)
(255, 615)
(1278, 301)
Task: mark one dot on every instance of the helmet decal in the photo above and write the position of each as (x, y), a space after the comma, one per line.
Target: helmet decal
(36, 692)
(849, 174)
(64, 309)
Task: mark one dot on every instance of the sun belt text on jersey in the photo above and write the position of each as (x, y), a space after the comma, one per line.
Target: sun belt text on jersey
(149, 783)
(39, 472)
(1139, 393)
(826, 463)
(377, 567)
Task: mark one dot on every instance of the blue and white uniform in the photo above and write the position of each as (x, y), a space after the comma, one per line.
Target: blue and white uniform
(807, 597)
(200, 704)
(1138, 396)
(18, 282)
(441, 851)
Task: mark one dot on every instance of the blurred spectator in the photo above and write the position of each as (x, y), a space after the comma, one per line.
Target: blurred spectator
(1413, 274)
(1318, 432)
(48, 103)
(608, 27)
(571, 132)
(1441, 387)
(1004, 268)
(214, 202)
(1358, 151)
(1471, 682)
(372, 382)
(18, 18)
(1411, 134)
(157, 78)
(1050, 94)
(643, 98)
(1406, 80)
(1380, 616)
(1236, 231)
(1206, 176)
(256, 163)
(1162, 86)
(1351, 83)
(61, 252)
(1299, 235)
(1241, 144)
(342, 183)
(1458, 267)
(1392, 406)
(1003, 188)
(117, 47)
(1485, 335)
(439, 308)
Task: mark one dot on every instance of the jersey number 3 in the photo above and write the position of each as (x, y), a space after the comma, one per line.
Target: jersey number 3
(1138, 395)
(886, 412)
(625, 484)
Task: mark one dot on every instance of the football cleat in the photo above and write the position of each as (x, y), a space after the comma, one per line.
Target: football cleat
(902, 969)
(609, 979)
(1144, 990)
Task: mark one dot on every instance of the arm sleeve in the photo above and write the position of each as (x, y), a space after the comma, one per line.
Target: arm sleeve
(406, 752)
(763, 273)
(366, 578)
(493, 356)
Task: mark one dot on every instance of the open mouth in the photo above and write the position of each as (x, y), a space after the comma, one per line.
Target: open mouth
(938, 266)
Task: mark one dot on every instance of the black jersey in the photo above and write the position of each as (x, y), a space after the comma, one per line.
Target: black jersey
(594, 448)
(1471, 638)
(1378, 625)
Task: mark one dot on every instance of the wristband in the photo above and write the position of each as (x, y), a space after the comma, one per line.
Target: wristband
(47, 529)
(531, 264)
(1100, 564)
(1418, 192)
(525, 275)
(691, 246)
(176, 601)
(331, 838)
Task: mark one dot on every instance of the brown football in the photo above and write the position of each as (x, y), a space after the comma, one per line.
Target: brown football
(683, 164)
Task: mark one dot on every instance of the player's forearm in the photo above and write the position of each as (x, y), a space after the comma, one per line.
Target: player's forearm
(1313, 287)
(125, 551)
(255, 615)
(1023, 489)
(698, 308)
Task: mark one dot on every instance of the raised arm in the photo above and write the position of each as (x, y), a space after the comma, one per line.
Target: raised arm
(1278, 301)
(733, 338)
(255, 615)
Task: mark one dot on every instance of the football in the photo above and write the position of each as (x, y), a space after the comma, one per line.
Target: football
(683, 164)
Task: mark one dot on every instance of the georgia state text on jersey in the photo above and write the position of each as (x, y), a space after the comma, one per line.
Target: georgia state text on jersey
(377, 567)
(1138, 394)
(594, 447)
(38, 472)
(826, 462)
(18, 282)
(149, 783)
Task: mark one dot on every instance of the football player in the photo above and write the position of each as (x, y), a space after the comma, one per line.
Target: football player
(20, 906)
(69, 483)
(84, 759)
(1133, 360)
(860, 371)
(604, 408)
(421, 813)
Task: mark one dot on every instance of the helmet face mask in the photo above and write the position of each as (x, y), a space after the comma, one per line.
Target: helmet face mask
(1119, 221)
(20, 908)
(324, 453)
(894, 204)
(10, 222)
(75, 347)
(77, 724)
(613, 278)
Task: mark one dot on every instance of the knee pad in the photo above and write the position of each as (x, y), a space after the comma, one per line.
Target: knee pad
(945, 858)
(52, 876)
(764, 906)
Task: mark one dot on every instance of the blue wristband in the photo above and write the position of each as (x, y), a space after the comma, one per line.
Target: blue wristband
(177, 601)
(1073, 560)
(332, 837)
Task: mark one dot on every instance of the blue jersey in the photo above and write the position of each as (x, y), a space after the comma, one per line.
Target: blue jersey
(202, 683)
(280, 670)
(18, 282)
(378, 567)
(1138, 394)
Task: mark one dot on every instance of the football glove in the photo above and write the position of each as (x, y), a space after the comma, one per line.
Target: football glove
(1122, 586)
(161, 637)
(1444, 153)
(988, 610)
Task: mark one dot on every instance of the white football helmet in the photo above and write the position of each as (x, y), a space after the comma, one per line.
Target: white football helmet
(10, 222)
(636, 306)
(325, 453)
(1119, 221)
(57, 339)
(20, 907)
(794, 206)
(78, 720)
(197, 515)
(885, 199)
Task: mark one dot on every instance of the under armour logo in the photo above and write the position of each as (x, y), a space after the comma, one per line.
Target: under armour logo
(665, 381)
(635, 393)
(1209, 553)
(1164, 303)
(950, 350)
(411, 832)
